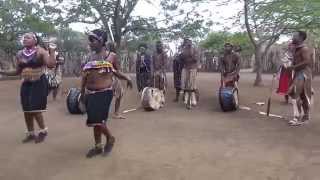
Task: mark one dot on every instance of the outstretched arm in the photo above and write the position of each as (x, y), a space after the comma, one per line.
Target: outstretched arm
(10, 73)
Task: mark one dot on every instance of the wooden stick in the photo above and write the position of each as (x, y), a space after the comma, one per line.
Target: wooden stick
(129, 110)
(271, 115)
(269, 99)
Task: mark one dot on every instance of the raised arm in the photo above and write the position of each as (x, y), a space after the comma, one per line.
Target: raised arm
(49, 58)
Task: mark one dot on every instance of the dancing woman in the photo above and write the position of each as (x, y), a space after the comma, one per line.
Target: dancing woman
(31, 63)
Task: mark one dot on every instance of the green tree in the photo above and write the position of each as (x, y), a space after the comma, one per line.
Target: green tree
(105, 13)
(241, 39)
(18, 17)
(215, 41)
(71, 41)
(73, 46)
(176, 22)
(185, 18)
(265, 21)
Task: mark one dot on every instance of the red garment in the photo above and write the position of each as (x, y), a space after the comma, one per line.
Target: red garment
(284, 81)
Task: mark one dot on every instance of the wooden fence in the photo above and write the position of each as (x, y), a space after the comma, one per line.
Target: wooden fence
(209, 62)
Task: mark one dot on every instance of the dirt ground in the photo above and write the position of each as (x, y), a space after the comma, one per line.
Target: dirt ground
(170, 144)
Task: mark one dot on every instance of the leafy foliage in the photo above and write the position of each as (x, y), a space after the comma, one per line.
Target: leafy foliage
(216, 40)
(265, 21)
(71, 41)
(18, 17)
(185, 18)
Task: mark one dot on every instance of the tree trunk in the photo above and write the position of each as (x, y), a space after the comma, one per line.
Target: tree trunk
(117, 40)
(258, 66)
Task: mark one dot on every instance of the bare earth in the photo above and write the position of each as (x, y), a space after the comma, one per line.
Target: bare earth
(170, 144)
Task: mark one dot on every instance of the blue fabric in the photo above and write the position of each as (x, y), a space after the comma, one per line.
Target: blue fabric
(300, 76)
(226, 98)
(146, 64)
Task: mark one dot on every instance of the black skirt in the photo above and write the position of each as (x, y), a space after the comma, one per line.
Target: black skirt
(98, 106)
(34, 95)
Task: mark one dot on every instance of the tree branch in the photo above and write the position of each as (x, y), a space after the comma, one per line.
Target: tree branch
(246, 10)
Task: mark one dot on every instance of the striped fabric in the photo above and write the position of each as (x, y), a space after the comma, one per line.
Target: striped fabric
(99, 65)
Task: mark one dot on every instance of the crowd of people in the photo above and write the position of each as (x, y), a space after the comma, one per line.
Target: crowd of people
(40, 69)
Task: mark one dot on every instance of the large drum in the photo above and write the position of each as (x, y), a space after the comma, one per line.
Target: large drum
(228, 98)
(74, 105)
(152, 99)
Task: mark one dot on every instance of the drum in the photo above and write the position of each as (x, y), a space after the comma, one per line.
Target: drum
(74, 105)
(152, 99)
(228, 98)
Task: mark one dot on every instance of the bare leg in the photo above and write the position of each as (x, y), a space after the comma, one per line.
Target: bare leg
(193, 98)
(49, 91)
(110, 139)
(296, 112)
(40, 120)
(197, 93)
(177, 95)
(43, 132)
(97, 134)
(29, 121)
(286, 97)
(186, 97)
(117, 104)
(98, 146)
(30, 128)
(55, 92)
(299, 104)
(306, 108)
(296, 103)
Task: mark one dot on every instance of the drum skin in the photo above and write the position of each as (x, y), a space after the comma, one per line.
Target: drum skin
(73, 102)
(228, 98)
(152, 99)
